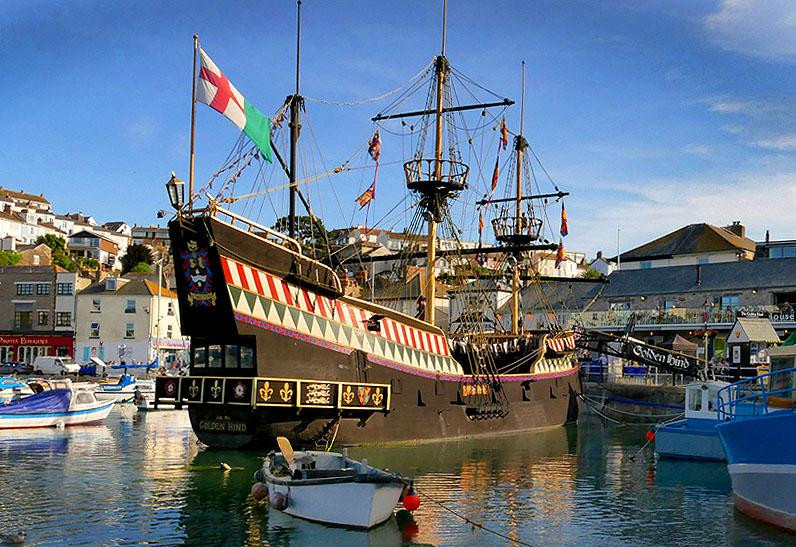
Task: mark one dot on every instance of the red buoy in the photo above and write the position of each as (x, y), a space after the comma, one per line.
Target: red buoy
(411, 501)
(650, 436)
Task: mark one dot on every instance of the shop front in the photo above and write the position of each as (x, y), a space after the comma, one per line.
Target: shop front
(25, 348)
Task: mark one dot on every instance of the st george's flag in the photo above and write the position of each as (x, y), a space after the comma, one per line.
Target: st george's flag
(564, 228)
(215, 90)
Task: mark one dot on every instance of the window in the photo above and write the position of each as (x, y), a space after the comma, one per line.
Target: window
(63, 319)
(704, 260)
(64, 288)
(645, 265)
(96, 305)
(110, 284)
(246, 357)
(130, 308)
(94, 330)
(214, 356)
(782, 252)
(228, 356)
(231, 356)
(84, 398)
(43, 318)
(24, 289)
(619, 306)
(42, 289)
(129, 331)
(199, 357)
(169, 332)
(23, 320)
(730, 302)
(170, 309)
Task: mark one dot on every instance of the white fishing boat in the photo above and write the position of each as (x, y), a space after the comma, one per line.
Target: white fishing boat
(54, 408)
(329, 487)
(125, 388)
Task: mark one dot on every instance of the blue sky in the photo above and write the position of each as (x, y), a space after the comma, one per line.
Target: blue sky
(652, 114)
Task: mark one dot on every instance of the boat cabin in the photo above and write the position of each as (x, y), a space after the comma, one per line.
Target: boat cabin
(748, 344)
(700, 399)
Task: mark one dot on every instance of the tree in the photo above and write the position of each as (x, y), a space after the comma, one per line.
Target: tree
(141, 267)
(8, 258)
(591, 273)
(311, 235)
(135, 255)
(57, 245)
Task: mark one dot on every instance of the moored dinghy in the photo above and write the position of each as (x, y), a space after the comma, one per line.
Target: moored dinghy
(329, 487)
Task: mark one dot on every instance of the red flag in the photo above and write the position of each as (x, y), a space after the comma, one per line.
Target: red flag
(367, 196)
(504, 134)
(495, 175)
(561, 254)
(564, 229)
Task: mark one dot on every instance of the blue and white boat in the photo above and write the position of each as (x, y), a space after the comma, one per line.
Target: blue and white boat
(694, 437)
(124, 389)
(761, 449)
(12, 389)
(54, 408)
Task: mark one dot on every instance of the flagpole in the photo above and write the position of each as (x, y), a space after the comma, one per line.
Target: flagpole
(193, 121)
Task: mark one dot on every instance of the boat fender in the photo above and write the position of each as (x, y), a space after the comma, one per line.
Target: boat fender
(259, 491)
(411, 500)
(279, 501)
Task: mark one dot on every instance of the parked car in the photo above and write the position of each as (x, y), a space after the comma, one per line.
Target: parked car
(55, 365)
(15, 368)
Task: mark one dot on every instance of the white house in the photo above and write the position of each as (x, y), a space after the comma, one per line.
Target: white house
(130, 320)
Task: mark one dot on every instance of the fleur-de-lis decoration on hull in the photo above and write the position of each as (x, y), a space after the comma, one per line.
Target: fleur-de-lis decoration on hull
(194, 389)
(286, 393)
(348, 395)
(377, 397)
(215, 390)
(266, 391)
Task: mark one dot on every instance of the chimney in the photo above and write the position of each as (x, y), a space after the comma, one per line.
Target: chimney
(768, 236)
(736, 228)
(699, 274)
(599, 255)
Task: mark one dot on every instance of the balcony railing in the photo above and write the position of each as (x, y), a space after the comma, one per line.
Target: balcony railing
(677, 316)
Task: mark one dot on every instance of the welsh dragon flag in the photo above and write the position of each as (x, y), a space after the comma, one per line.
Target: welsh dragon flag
(215, 90)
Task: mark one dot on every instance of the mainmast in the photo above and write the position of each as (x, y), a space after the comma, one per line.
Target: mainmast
(296, 102)
(519, 144)
(441, 66)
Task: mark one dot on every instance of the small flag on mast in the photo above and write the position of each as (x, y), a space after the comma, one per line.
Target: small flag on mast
(215, 90)
(495, 174)
(564, 228)
(374, 146)
(367, 196)
(561, 254)
(504, 134)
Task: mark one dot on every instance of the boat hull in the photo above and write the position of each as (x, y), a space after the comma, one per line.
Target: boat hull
(72, 417)
(239, 290)
(762, 465)
(357, 505)
(693, 439)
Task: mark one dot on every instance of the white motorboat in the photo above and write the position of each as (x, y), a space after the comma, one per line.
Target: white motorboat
(55, 407)
(329, 487)
(124, 389)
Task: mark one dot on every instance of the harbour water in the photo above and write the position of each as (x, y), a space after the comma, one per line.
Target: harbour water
(145, 478)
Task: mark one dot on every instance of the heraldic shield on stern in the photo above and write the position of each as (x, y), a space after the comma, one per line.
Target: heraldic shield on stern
(198, 275)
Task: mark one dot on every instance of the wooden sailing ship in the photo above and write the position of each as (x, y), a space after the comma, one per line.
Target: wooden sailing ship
(278, 348)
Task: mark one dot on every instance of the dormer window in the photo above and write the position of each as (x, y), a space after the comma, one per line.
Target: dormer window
(110, 284)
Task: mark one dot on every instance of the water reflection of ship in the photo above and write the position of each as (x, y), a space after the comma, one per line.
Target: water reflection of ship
(507, 480)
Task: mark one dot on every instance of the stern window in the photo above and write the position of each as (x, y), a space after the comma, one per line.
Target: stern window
(214, 356)
(231, 356)
(199, 357)
(246, 357)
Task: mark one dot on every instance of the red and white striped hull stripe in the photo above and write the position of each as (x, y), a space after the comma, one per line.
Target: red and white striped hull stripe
(277, 289)
(561, 344)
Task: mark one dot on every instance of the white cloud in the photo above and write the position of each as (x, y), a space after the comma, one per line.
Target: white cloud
(784, 143)
(760, 197)
(758, 28)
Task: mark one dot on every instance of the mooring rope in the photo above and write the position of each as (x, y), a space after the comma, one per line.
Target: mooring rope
(470, 521)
